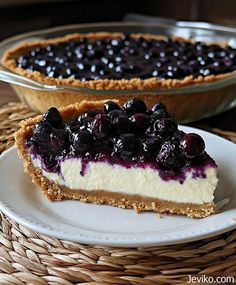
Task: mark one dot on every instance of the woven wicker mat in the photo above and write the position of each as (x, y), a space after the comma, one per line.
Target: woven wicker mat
(27, 257)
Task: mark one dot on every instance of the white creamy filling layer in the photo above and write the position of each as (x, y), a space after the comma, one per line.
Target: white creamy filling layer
(140, 181)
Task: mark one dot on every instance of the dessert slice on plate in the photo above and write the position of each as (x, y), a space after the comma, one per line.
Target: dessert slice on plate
(125, 156)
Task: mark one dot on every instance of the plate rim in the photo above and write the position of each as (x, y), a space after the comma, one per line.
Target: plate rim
(119, 242)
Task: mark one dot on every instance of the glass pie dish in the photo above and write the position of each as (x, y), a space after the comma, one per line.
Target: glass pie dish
(185, 103)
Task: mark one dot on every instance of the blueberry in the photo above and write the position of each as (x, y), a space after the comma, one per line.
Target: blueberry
(53, 117)
(150, 145)
(165, 127)
(42, 127)
(125, 145)
(72, 127)
(82, 141)
(88, 116)
(170, 157)
(41, 134)
(159, 114)
(140, 123)
(115, 113)
(101, 126)
(158, 107)
(23, 62)
(192, 145)
(110, 106)
(58, 140)
(178, 135)
(122, 124)
(135, 105)
(49, 162)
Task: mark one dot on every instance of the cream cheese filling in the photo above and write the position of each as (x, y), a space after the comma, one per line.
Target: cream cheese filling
(139, 181)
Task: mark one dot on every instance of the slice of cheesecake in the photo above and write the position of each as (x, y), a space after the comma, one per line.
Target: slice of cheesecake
(125, 156)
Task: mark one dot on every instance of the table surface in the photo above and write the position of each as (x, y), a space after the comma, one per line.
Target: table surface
(225, 121)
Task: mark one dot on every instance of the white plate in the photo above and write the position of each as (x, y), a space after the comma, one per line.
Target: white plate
(104, 225)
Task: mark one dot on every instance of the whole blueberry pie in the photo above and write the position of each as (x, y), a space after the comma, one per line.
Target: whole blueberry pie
(127, 156)
(117, 61)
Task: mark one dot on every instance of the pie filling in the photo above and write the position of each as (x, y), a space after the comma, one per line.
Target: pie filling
(127, 57)
(130, 150)
(144, 182)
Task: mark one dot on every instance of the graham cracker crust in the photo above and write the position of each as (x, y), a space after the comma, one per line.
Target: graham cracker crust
(139, 204)
(56, 192)
(8, 60)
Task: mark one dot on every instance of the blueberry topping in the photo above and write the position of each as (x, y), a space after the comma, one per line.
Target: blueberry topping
(53, 116)
(101, 126)
(134, 106)
(122, 125)
(125, 145)
(72, 127)
(115, 113)
(140, 123)
(170, 156)
(58, 140)
(165, 127)
(192, 145)
(132, 135)
(158, 106)
(49, 162)
(150, 145)
(82, 141)
(179, 135)
(159, 114)
(41, 134)
(87, 117)
(127, 57)
(110, 106)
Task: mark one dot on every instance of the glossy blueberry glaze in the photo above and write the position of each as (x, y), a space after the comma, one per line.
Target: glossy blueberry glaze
(127, 57)
(147, 148)
(197, 169)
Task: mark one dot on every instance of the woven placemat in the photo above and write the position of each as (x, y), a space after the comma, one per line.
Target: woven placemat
(27, 257)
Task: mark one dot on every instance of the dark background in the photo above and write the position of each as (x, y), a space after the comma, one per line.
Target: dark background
(18, 16)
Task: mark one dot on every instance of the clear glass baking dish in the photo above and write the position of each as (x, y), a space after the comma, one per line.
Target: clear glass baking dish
(188, 103)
